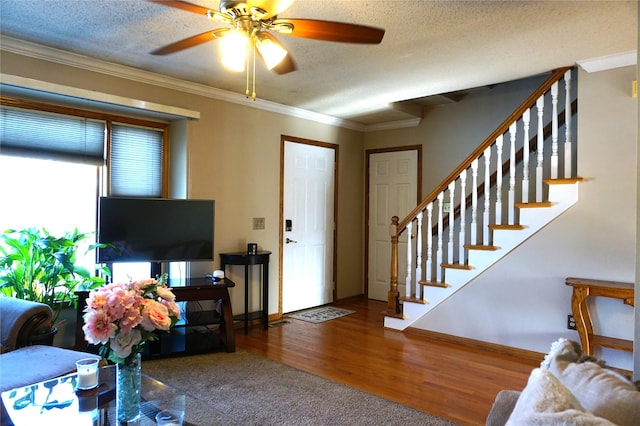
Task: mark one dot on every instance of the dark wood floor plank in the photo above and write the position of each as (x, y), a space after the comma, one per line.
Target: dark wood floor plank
(445, 379)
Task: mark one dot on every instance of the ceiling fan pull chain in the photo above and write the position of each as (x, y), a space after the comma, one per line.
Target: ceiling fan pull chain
(246, 66)
(253, 95)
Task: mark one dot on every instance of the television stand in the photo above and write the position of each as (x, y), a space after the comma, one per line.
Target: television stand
(197, 290)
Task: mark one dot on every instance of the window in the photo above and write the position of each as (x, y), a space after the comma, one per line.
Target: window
(51, 135)
(52, 167)
(136, 161)
(56, 195)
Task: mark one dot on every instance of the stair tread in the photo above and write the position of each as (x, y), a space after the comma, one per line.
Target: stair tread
(457, 266)
(535, 205)
(507, 227)
(393, 315)
(563, 181)
(481, 247)
(413, 299)
(433, 284)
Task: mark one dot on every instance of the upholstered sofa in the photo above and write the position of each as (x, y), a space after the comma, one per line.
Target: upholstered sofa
(20, 363)
(569, 388)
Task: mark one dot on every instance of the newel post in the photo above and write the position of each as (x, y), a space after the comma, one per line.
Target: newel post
(393, 302)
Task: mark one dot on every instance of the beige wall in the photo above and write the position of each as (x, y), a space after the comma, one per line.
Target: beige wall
(233, 156)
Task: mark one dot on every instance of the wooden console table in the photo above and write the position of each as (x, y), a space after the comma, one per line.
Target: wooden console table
(583, 288)
(194, 290)
(243, 258)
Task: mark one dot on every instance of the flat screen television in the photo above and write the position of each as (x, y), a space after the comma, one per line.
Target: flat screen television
(155, 229)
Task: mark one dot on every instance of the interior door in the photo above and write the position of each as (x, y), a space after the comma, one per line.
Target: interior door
(308, 228)
(393, 180)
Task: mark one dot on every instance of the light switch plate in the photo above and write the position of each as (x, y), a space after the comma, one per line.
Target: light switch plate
(258, 223)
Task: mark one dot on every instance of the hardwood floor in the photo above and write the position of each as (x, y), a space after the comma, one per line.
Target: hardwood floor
(445, 379)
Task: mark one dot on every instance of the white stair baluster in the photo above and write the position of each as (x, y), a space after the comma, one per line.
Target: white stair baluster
(568, 148)
(452, 193)
(512, 175)
(407, 280)
(487, 196)
(439, 277)
(526, 118)
(554, 131)
(540, 148)
(429, 266)
(419, 256)
(474, 202)
(463, 219)
(499, 143)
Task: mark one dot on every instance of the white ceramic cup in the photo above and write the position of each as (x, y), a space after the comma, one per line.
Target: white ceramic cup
(87, 373)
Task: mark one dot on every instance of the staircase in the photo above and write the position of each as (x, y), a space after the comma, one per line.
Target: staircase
(520, 178)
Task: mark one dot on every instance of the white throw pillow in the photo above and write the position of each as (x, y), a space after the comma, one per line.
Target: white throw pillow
(545, 401)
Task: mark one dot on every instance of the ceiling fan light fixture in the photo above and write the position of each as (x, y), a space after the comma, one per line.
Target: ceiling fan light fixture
(234, 50)
(271, 52)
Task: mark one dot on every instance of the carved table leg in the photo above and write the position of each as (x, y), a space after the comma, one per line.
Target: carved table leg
(582, 317)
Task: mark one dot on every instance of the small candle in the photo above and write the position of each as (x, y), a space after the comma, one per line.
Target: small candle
(87, 373)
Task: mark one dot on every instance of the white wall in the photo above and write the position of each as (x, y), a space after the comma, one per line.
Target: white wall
(522, 301)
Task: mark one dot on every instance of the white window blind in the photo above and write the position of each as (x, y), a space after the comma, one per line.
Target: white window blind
(135, 160)
(55, 136)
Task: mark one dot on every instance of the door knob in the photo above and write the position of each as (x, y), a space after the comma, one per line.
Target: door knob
(289, 240)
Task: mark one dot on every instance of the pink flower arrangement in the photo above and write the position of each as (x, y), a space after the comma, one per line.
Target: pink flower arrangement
(123, 316)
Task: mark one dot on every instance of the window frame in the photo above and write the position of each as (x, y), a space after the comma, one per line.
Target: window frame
(109, 118)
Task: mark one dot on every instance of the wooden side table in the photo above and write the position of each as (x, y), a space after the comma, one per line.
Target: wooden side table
(583, 288)
(261, 258)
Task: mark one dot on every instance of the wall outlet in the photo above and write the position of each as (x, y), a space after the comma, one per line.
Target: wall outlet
(258, 223)
(446, 207)
(571, 322)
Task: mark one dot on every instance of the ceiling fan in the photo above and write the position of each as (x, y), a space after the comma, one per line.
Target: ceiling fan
(252, 24)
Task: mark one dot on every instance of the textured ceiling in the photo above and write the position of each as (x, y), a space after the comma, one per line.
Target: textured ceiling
(429, 48)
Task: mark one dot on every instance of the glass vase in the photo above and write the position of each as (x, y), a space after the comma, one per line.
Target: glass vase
(128, 390)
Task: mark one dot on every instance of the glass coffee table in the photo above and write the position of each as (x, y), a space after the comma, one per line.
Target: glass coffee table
(56, 401)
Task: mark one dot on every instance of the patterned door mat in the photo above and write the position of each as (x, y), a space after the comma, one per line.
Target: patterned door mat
(323, 314)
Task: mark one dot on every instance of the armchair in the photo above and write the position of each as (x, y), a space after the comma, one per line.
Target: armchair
(20, 363)
(20, 318)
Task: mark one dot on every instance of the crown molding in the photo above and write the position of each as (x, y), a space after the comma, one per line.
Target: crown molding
(608, 62)
(392, 125)
(92, 95)
(37, 51)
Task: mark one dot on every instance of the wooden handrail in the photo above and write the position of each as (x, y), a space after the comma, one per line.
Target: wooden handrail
(528, 103)
(519, 156)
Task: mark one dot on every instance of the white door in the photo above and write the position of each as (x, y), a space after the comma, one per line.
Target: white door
(393, 178)
(308, 215)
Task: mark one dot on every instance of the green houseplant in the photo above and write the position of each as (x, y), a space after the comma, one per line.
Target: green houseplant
(37, 266)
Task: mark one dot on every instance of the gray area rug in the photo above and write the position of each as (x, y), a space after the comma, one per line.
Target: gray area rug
(242, 388)
(318, 315)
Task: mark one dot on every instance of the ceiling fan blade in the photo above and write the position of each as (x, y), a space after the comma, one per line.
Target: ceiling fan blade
(329, 31)
(271, 7)
(190, 42)
(194, 8)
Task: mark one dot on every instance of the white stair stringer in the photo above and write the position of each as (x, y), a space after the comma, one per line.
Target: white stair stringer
(562, 197)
